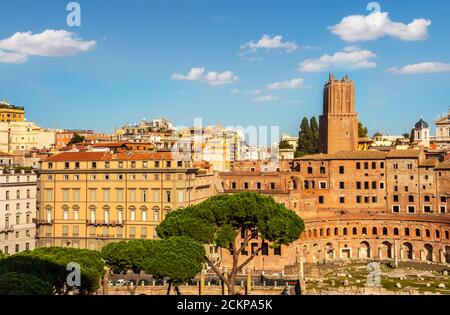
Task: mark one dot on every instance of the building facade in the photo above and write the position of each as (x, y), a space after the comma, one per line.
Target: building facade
(390, 205)
(88, 199)
(442, 139)
(11, 113)
(17, 211)
(357, 206)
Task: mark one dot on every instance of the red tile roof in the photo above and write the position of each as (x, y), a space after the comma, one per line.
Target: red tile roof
(109, 144)
(109, 156)
(410, 153)
(443, 166)
(347, 155)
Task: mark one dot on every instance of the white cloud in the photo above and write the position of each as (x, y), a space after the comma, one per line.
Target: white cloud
(7, 57)
(266, 98)
(267, 42)
(248, 92)
(350, 59)
(292, 84)
(211, 78)
(355, 28)
(50, 43)
(424, 67)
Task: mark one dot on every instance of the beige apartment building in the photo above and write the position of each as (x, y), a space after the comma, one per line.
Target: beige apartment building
(88, 199)
(17, 211)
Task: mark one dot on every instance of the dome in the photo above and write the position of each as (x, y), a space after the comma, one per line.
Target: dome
(421, 124)
(377, 135)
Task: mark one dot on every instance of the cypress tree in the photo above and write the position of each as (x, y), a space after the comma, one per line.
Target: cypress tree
(305, 138)
(315, 134)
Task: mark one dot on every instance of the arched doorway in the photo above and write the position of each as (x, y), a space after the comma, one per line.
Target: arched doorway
(408, 250)
(428, 252)
(364, 250)
(386, 250)
(447, 254)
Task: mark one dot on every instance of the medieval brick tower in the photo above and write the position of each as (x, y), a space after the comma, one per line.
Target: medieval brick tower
(339, 122)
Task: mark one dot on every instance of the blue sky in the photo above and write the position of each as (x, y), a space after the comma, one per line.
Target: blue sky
(143, 51)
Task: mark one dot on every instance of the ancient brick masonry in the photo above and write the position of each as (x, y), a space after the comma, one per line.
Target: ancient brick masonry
(357, 205)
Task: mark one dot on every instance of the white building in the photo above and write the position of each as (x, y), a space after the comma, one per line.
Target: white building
(291, 140)
(442, 138)
(17, 211)
(24, 136)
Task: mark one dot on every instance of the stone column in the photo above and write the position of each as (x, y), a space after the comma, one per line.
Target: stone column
(249, 282)
(422, 255)
(380, 253)
(402, 254)
(395, 254)
(201, 285)
(302, 274)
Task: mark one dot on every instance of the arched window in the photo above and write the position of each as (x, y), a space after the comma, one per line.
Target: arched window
(120, 215)
(65, 212)
(321, 232)
(315, 233)
(355, 231)
(427, 233)
(328, 232)
(364, 231)
(309, 233)
(306, 184)
(49, 214)
(385, 231)
(418, 232)
(396, 232)
(446, 235)
(407, 233)
(345, 231)
(76, 212)
(93, 215)
(336, 231)
(106, 215)
(438, 234)
(374, 231)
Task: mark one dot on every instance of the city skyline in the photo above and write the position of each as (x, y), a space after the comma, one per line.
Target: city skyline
(127, 63)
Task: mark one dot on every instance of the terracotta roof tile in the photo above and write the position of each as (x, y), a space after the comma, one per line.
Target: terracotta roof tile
(410, 153)
(429, 163)
(109, 156)
(347, 155)
(443, 166)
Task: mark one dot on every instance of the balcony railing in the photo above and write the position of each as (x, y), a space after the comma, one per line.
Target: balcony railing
(42, 222)
(7, 229)
(104, 223)
(104, 236)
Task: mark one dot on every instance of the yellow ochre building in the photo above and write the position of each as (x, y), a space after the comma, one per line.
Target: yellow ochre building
(88, 199)
(11, 113)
